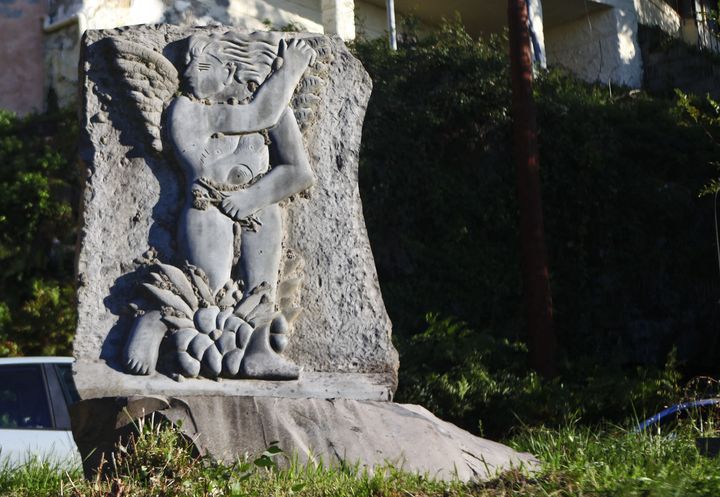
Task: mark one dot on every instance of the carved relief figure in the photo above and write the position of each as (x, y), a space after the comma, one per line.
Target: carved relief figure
(240, 149)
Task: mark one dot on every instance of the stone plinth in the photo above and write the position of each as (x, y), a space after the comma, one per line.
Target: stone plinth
(327, 431)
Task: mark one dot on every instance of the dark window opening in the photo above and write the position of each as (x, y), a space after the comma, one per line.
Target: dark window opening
(23, 399)
(64, 372)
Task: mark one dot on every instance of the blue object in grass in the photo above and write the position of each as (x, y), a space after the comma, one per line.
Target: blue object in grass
(684, 406)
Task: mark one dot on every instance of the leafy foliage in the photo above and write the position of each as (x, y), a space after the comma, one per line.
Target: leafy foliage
(704, 113)
(435, 149)
(481, 382)
(630, 243)
(37, 218)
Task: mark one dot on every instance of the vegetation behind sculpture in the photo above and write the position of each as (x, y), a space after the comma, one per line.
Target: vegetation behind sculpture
(631, 246)
(38, 209)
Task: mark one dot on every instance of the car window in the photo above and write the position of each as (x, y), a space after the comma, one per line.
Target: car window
(64, 372)
(23, 400)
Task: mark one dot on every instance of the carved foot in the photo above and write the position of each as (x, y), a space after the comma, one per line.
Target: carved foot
(269, 366)
(263, 363)
(141, 351)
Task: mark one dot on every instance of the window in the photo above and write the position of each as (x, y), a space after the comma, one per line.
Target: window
(23, 399)
(64, 372)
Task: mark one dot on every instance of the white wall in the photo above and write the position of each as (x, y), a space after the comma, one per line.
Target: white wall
(338, 18)
(658, 13)
(603, 46)
(305, 13)
(62, 45)
(370, 20)
(104, 14)
(62, 50)
(600, 47)
(537, 22)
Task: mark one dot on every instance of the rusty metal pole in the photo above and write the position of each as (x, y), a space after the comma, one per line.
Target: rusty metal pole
(536, 286)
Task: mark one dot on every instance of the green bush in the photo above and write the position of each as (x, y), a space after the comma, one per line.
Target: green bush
(436, 179)
(631, 246)
(481, 382)
(38, 180)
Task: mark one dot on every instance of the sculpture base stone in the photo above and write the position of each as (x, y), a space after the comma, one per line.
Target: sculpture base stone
(358, 386)
(327, 431)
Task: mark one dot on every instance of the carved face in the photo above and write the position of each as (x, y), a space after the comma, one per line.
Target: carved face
(206, 77)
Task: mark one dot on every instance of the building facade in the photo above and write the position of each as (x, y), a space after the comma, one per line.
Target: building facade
(596, 39)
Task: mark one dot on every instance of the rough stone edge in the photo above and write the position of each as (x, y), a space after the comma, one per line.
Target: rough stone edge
(99, 424)
(356, 386)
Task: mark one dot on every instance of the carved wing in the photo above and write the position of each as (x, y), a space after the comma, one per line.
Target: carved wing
(152, 80)
(309, 91)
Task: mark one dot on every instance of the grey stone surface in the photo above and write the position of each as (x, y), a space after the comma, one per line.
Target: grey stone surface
(332, 431)
(137, 193)
(363, 386)
(238, 145)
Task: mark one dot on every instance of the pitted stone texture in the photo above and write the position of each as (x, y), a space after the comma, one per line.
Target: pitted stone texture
(331, 432)
(131, 203)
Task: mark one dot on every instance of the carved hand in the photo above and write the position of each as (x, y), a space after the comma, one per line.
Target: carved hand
(296, 55)
(236, 206)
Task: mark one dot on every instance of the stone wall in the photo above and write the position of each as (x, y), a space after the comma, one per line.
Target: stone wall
(603, 44)
(671, 64)
(599, 47)
(21, 49)
(658, 13)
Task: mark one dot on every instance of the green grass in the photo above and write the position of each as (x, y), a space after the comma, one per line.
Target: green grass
(586, 461)
(36, 477)
(577, 461)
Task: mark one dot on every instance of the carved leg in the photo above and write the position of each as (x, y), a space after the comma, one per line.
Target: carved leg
(259, 262)
(263, 363)
(261, 251)
(143, 345)
(206, 241)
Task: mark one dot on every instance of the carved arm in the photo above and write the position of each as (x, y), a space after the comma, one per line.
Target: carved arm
(290, 175)
(271, 99)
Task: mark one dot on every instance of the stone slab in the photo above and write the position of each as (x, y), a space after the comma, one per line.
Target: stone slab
(359, 386)
(131, 202)
(327, 431)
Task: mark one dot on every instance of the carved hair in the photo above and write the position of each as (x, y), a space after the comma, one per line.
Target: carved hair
(252, 54)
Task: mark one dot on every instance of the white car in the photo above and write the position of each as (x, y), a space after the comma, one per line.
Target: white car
(35, 393)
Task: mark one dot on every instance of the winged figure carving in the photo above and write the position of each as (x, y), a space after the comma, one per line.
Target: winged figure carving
(232, 118)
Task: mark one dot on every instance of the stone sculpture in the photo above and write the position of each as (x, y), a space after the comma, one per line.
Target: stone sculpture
(222, 313)
(220, 200)
(221, 197)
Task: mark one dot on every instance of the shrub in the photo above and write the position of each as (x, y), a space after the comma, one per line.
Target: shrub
(631, 248)
(38, 178)
(481, 382)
